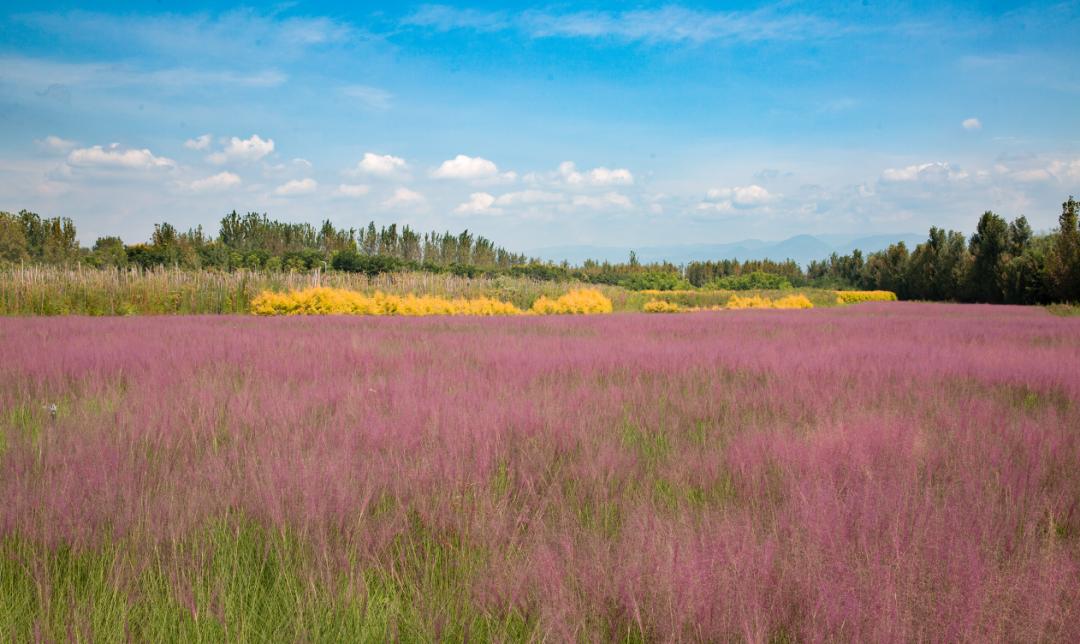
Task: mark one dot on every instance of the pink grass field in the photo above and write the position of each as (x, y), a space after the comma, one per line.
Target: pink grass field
(880, 472)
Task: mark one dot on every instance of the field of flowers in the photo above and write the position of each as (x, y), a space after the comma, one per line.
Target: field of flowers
(880, 472)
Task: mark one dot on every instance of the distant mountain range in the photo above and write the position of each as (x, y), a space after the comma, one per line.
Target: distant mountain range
(801, 248)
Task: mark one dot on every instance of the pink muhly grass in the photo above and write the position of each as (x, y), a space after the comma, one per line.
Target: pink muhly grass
(880, 472)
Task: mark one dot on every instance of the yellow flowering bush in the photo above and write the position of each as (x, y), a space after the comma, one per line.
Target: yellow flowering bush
(336, 301)
(854, 297)
(580, 301)
(661, 306)
(749, 302)
(797, 301)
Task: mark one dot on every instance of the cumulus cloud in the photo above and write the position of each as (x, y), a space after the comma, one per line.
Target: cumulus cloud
(934, 172)
(237, 149)
(479, 203)
(1040, 170)
(529, 197)
(403, 197)
(470, 169)
(198, 143)
(353, 190)
(971, 124)
(118, 157)
(296, 187)
(724, 199)
(600, 176)
(380, 165)
(56, 144)
(217, 182)
(1065, 169)
(605, 201)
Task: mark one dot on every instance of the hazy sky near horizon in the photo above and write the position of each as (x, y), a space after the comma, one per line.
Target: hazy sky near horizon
(543, 124)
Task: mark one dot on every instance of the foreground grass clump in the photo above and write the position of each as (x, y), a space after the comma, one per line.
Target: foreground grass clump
(330, 301)
(855, 297)
(563, 478)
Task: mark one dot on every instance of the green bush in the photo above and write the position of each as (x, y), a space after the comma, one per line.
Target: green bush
(757, 280)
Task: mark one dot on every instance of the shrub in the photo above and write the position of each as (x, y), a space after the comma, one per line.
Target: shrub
(797, 301)
(750, 302)
(854, 297)
(655, 281)
(333, 301)
(757, 280)
(336, 301)
(579, 301)
(353, 262)
(662, 306)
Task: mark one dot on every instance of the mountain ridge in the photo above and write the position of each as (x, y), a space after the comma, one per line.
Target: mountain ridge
(801, 248)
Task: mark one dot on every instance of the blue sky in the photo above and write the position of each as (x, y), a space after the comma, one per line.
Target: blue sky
(627, 124)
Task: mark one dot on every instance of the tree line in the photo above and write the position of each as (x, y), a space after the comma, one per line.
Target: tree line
(1002, 262)
(254, 241)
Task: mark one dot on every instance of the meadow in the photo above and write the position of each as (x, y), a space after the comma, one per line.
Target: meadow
(878, 472)
(50, 290)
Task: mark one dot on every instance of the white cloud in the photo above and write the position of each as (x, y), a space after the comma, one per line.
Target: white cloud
(296, 187)
(353, 190)
(1066, 169)
(935, 172)
(528, 197)
(198, 143)
(382, 165)
(1031, 175)
(718, 206)
(204, 35)
(220, 181)
(600, 176)
(479, 203)
(251, 149)
(403, 197)
(115, 156)
(56, 144)
(371, 97)
(972, 124)
(661, 25)
(28, 73)
(470, 169)
(602, 202)
(750, 196)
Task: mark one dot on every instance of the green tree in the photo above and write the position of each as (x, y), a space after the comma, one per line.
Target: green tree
(887, 270)
(1019, 236)
(13, 246)
(1063, 262)
(109, 251)
(988, 247)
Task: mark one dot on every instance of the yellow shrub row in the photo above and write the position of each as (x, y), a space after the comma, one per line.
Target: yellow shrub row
(854, 297)
(797, 301)
(336, 301)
